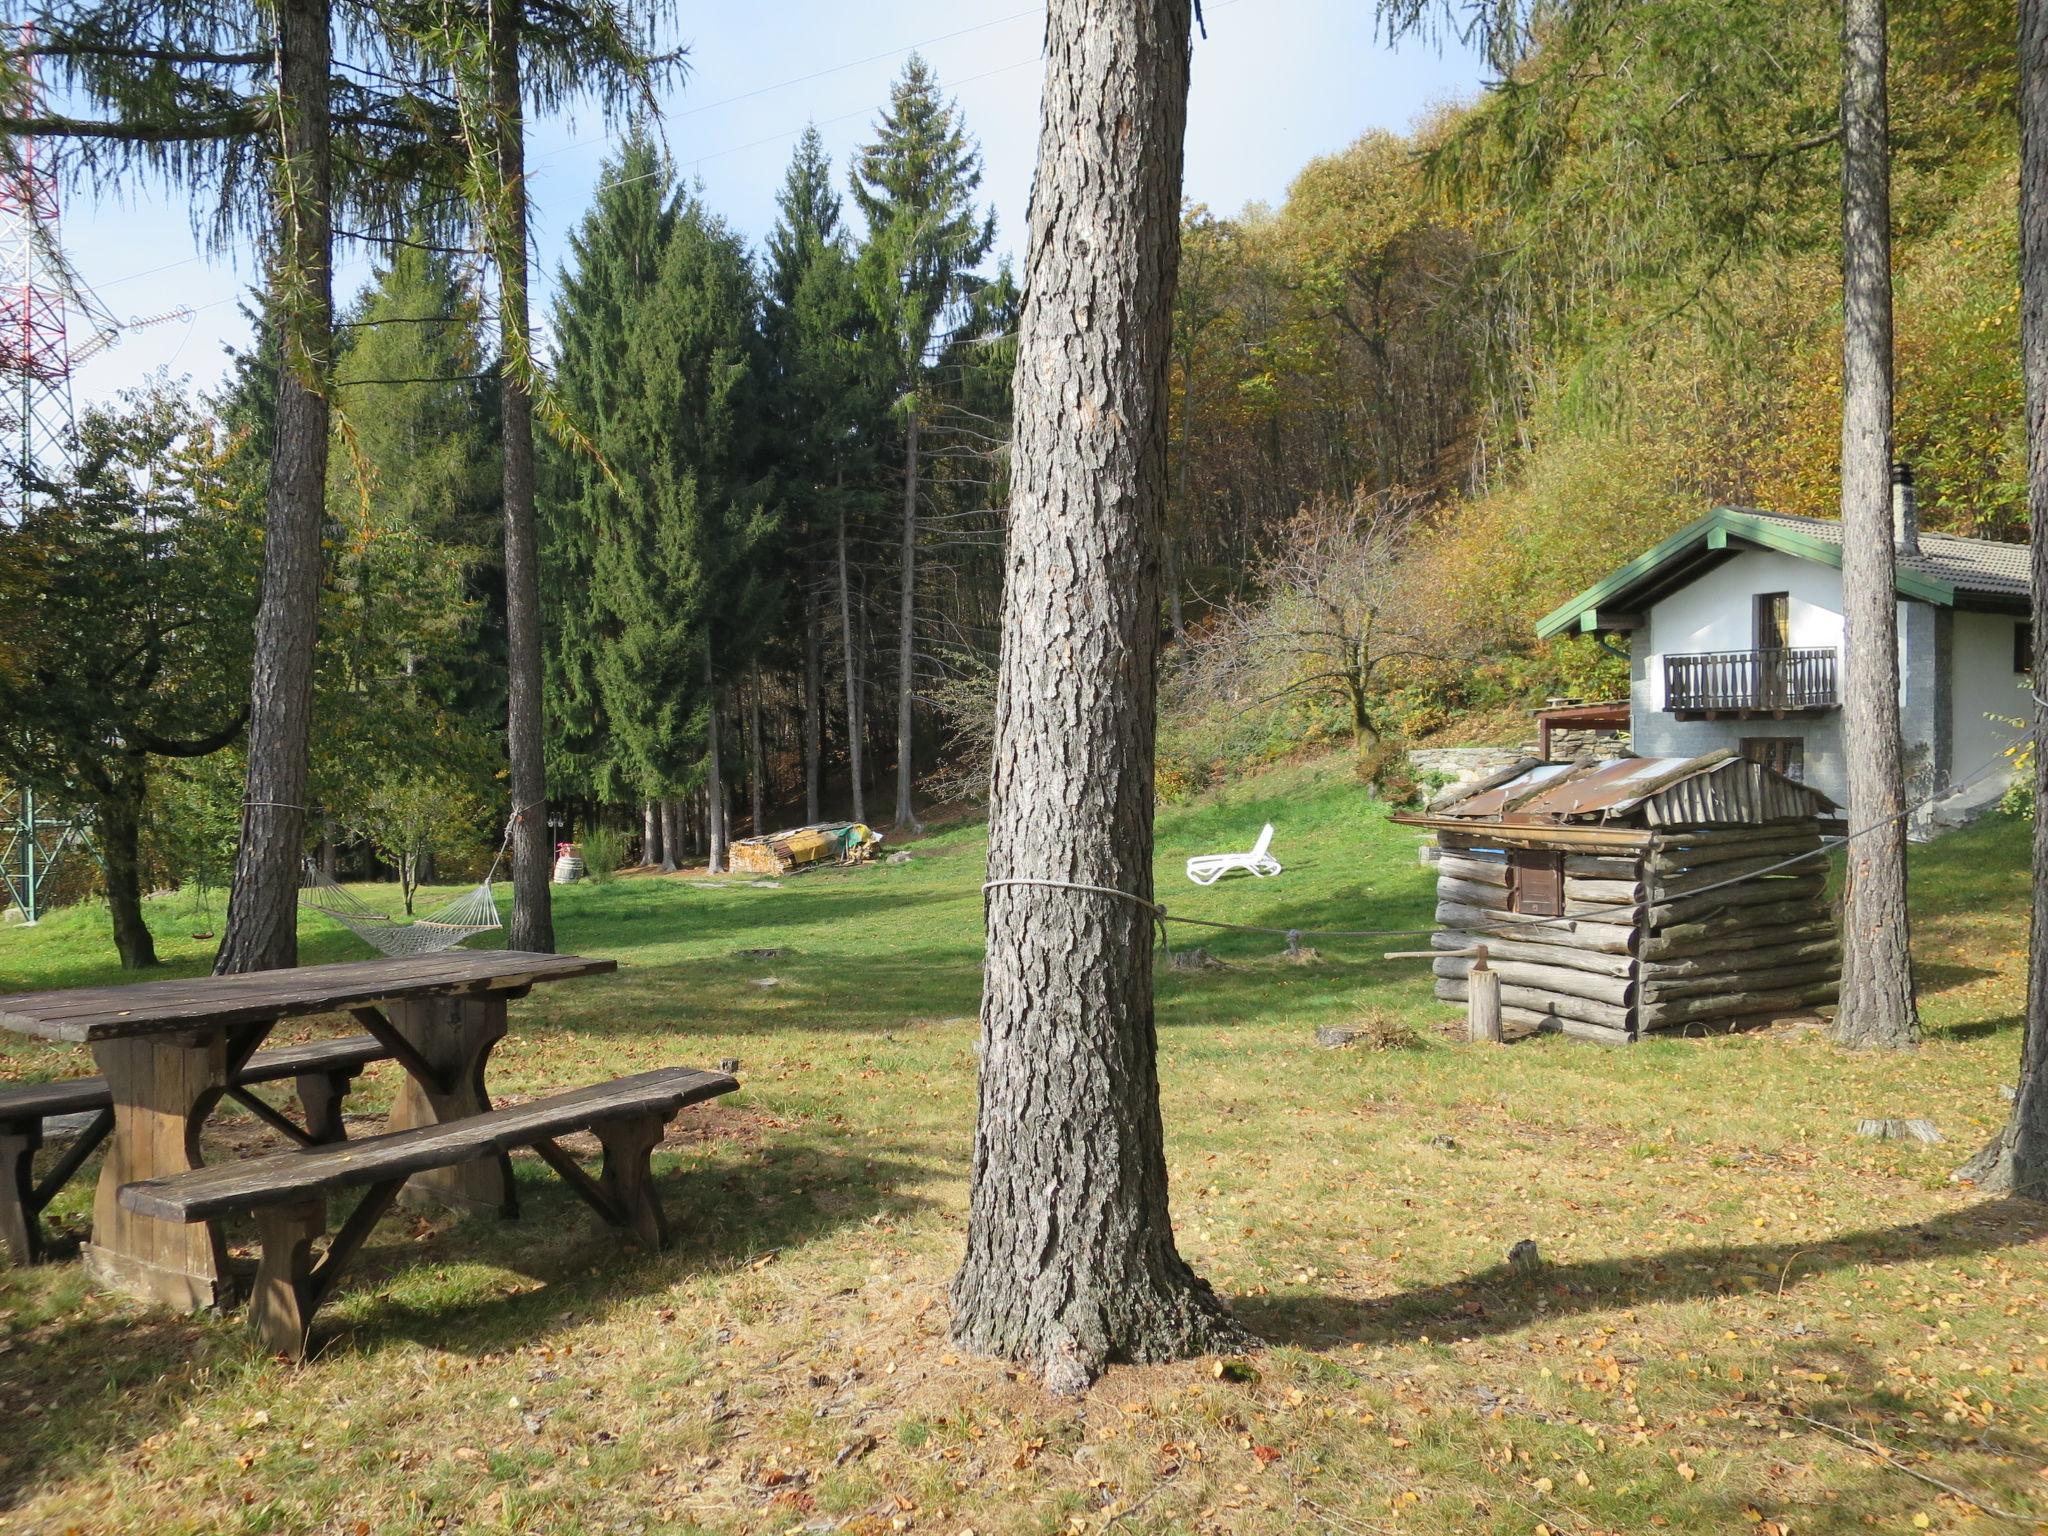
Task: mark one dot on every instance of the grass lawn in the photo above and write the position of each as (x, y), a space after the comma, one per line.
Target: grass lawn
(1730, 1269)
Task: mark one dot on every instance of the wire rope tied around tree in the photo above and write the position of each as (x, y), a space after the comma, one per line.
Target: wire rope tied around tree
(1156, 909)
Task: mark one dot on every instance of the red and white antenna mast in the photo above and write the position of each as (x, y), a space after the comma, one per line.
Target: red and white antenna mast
(35, 354)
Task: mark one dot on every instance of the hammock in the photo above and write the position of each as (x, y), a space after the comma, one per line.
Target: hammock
(471, 913)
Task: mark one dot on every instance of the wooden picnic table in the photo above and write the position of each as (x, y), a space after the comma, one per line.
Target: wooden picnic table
(168, 1049)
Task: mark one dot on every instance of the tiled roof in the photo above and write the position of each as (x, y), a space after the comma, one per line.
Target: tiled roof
(1969, 565)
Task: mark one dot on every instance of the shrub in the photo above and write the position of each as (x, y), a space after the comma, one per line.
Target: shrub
(604, 853)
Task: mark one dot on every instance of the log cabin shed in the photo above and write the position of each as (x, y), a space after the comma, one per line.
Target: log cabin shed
(1600, 890)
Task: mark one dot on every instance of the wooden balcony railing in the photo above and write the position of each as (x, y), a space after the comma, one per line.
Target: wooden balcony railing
(1760, 682)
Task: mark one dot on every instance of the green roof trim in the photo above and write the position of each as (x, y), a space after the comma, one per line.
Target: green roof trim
(1714, 531)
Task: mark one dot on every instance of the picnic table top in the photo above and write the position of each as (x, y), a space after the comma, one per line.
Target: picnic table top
(86, 1014)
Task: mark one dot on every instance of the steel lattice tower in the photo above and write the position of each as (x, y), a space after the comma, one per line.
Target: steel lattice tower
(35, 354)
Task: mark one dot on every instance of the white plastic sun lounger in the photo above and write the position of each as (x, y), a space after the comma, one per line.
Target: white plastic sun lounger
(1208, 868)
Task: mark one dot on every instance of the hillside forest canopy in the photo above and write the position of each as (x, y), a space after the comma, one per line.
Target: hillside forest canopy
(1444, 382)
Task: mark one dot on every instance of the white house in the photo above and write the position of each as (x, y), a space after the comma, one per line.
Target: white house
(1733, 628)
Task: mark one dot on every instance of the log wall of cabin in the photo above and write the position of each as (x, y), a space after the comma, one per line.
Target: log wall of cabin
(1650, 938)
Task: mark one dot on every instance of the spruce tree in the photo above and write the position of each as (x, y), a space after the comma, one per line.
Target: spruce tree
(681, 575)
(615, 255)
(915, 186)
(824, 387)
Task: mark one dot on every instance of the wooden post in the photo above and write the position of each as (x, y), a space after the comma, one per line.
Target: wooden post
(163, 1088)
(1482, 1002)
(455, 1036)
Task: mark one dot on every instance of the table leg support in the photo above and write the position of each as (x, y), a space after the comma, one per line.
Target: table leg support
(286, 1292)
(163, 1088)
(628, 1178)
(20, 1233)
(455, 1035)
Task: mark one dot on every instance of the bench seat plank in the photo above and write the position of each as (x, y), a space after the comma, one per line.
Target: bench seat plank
(285, 1178)
(77, 1095)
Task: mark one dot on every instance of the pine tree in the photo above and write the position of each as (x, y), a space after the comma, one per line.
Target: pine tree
(1878, 1005)
(615, 256)
(824, 389)
(915, 187)
(682, 575)
(1070, 1259)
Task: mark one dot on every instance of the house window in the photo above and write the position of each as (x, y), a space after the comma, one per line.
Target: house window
(2023, 646)
(1536, 882)
(1773, 621)
(1786, 754)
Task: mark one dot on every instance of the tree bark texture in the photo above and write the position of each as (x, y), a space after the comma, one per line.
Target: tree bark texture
(814, 710)
(714, 775)
(854, 726)
(1070, 1259)
(262, 931)
(650, 832)
(906, 636)
(757, 759)
(2016, 1161)
(1878, 1006)
(533, 924)
(117, 829)
(673, 838)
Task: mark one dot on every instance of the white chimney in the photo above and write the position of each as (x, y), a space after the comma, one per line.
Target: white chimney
(1905, 510)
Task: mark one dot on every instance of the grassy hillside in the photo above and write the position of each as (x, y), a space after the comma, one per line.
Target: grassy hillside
(1727, 1262)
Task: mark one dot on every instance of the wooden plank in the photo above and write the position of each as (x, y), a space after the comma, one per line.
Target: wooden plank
(1475, 867)
(87, 1014)
(1612, 938)
(1537, 1001)
(1749, 954)
(1735, 1004)
(1744, 979)
(1471, 893)
(1601, 866)
(1613, 893)
(1774, 893)
(1563, 953)
(1790, 921)
(1547, 978)
(282, 1178)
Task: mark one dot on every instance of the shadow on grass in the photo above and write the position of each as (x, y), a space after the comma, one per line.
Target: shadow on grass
(104, 1377)
(1500, 1300)
(97, 1384)
(778, 1195)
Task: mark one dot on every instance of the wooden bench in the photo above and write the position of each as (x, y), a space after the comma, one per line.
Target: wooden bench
(321, 1071)
(287, 1192)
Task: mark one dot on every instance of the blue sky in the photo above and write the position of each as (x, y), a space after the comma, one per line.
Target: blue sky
(1275, 83)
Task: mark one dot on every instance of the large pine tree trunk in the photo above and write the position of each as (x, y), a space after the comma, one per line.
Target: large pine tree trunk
(1070, 1258)
(674, 836)
(262, 930)
(650, 832)
(814, 708)
(714, 775)
(906, 635)
(757, 758)
(2016, 1161)
(117, 829)
(854, 726)
(533, 923)
(1877, 1005)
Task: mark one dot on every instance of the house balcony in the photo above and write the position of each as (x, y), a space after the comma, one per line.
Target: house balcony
(1704, 684)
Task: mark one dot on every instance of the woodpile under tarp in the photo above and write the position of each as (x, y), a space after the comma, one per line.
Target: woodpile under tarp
(825, 842)
(1619, 897)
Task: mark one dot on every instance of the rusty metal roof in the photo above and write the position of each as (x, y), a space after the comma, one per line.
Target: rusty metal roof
(1593, 791)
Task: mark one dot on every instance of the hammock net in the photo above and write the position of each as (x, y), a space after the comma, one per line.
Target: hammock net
(471, 913)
